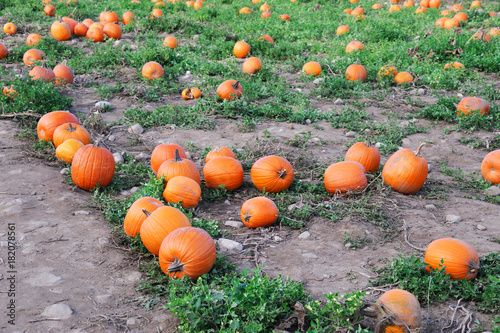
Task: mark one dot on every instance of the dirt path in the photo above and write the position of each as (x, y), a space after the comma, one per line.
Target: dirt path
(67, 277)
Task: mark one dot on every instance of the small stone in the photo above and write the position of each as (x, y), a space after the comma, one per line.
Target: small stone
(136, 129)
(118, 158)
(227, 202)
(319, 80)
(308, 121)
(103, 240)
(429, 167)
(40, 198)
(305, 235)
(134, 189)
(234, 224)
(298, 90)
(101, 299)
(195, 37)
(460, 95)
(348, 245)
(44, 279)
(134, 276)
(81, 212)
(350, 134)
(141, 157)
(368, 131)
(64, 171)
(131, 322)
(277, 239)
(290, 126)
(117, 43)
(33, 193)
(421, 91)
(103, 105)
(378, 144)
(416, 38)
(124, 193)
(493, 191)
(481, 227)
(339, 101)
(111, 137)
(58, 311)
(453, 218)
(229, 245)
(406, 142)
(133, 47)
(430, 207)
(12, 210)
(16, 172)
(297, 205)
(404, 123)
(309, 255)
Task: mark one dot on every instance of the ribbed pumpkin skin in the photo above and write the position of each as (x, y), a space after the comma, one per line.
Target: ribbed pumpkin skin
(365, 154)
(135, 216)
(67, 150)
(187, 251)
(61, 30)
(251, 65)
(159, 224)
(182, 189)
(92, 166)
(343, 177)
(225, 171)
(406, 308)
(32, 55)
(63, 73)
(50, 121)
(179, 167)
(459, 258)
(405, 171)
(259, 212)
(70, 131)
(230, 90)
(152, 70)
(356, 73)
(490, 167)
(469, 105)
(272, 174)
(162, 153)
(387, 70)
(218, 152)
(42, 73)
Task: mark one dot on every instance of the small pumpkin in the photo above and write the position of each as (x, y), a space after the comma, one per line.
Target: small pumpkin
(61, 30)
(112, 30)
(344, 177)
(312, 68)
(406, 171)
(191, 93)
(33, 39)
(460, 260)
(377, 6)
(403, 77)
(475, 4)
(241, 49)
(445, 12)
(52, 120)
(42, 73)
(70, 131)
(366, 154)
(421, 10)
(284, 17)
(490, 167)
(394, 8)
(471, 105)
(152, 71)
(63, 73)
(9, 28)
(197, 5)
(457, 8)
(187, 252)
(356, 72)
(453, 65)
(265, 8)
(95, 34)
(92, 166)
(461, 17)
(230, 90)
(165, 152)
(135, 214)
(424, 3)
(244, 10)
(96, 25)
(408, 4)
(87, 22)
(72, 23)
(9, 92)
(440, 22)
(184, 190)
(434, 4)
(49, 10)
(355, 45)
(266, 38)
(343, 29)
(494, 32)
(259, 212)
(128, 18)
(32, 55)
(179, 167)
(81, 30)
(266, 15)
(272, 174)
(158, 224)
(67, 150)
(4, 53)
(225, 171)
(451, 24)
(218, 152)
(387, 71)
(171, 42)
(252, 65)
(481, 36)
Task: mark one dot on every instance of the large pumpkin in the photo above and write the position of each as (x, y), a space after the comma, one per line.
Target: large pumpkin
(272, 174)
(460, 260)
(241, 49)
(135, 214)
(161, 153)
(187, 252)
(259, 212)
(344, 177)
(230, 90)
(184, 190)
(92, 167)
(471, 105)
(179, 167)
(63, 73)
(406, 171)
(70, 131)
(42, 73)
(61, 30)
(50, 121)
(356, 72)
(67, 150)
(366, 154)
(490, 167)
(162, 221)
(225, 171)
(152, 70)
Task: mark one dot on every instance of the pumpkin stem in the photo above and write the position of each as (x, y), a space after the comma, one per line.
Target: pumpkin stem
(417, 152)
(148, 214)
(176, 266)
(236, 84)
(71, 128)
(282, 173)
(64, 62)
(247, 217)
(368, 143)
(177, 157)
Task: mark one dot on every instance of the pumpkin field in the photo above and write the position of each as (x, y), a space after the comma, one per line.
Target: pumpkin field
(250, 166)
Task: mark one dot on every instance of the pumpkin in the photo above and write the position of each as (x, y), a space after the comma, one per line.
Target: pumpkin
(420, 10)
(394, 8)
(191, 93)
(481, 36)
(159, 223)
(251, 65)
(440, 22)
(490, 167)
(434, 4)
(365, 154)
(70, 131)
(190, 3)
(112, 30)
(259, 212)
(182, 189)
(408, 4)
(377, 6)
(9, 92)
(179, 167)
(265, 15)
(312, 68)
(343, 29)
(348, 11)
(96, 25)
(493, 14)
(81, 30)
(406, 171)
(225, 171)
(265, 8)
(266, 38)
(52, 120)
(33, 39)
(95, 34)
(457, 7)
(4, 53)
(218, 152)
(445, 12)
(49, 10)
(450, 24)
(42, 73)
(356, 72)
(161, 153)
(453, 65)
(470, 105)
(475, 4)
(32, 55)
(241, 49)
(87, 22)
(92, 166)
(344, 177)
(403, 77)
(64, 74)
(197, 5)
(9, 28)
(272, 174)
(135, 214)
(109, 17)
(128, 18)
(245, 10)
(494, 32)
(171, 42)
(152, 70)
(61, 30)
(387, 70)
(187, 252)
(67, 150)
(230, 90)
(284, 17)
(460, 260)
(424, 3)
(461, 17)
(72, 23)
(354, 46)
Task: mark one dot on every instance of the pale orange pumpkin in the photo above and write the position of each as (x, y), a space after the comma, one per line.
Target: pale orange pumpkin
(272, 174)
(128, 18)
(219, 151)
(70, 131)
(471, 105)
(490, 167)
(451, 24)
(245, 10)
(112, 30)
(67, 150)
(312, 68)
(33, 39)
(81, 30)
(95, 34)
(356, 72)
(32, 55)
(152, 70)
(61, 30)
(64, 74)
(355, 45)
(223, 171)
(252, 65)
(9, 28)
(259, 212)
(343, 29)
(377, 6)
(453, 65)
(135, 214)
(440, 22)
(184, 190)
(171, 42)
(394, 8)
(344, 177)
(403, 77)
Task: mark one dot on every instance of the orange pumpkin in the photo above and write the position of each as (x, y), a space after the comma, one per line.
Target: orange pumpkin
(434, 4)
(191, 93)
(112, 30)
(81, 30)
(356, 73)
(445, 12)
(266, 38)
(4, 53)
(461, 17)
(64, 74)
(460, 260)
(394, 8)
(440, 22)
(109, 17)
(344, 177)
(251, 65)
(179, 167)
(265, 8)
(470, 105)
(403, 77)
(230, 90)
(354, 46)
(92, 167)
(42, 73)
(87, 22)
(259, 212)
(481, 36)
(272, 174)
(218, 152)
(197, 5)
(9, 92)
(377, 6)
(159, 223)
(265, 15)
(171, 42)
(52, 120)
(406, 171)
(408, 4)
(184, 190)
(425, 3)
(387, 70)
(284, 17)
(457, 7)
(225, 171)
(420, 10)
(490, 167)
(451, 24)
(72, 23)
(70, 131)
(32, 55)
(241, 49)
(397, 311)
(245, 10)
(95, 34)
(61, 30)
(135, 214)
(33, 39)
(187, 252)
(365, 154)
(453, 65)
(165, 152)
(67, 150)
(49, 10)
(9, 28)
(475, 4)
(152, 70)
(128, 18)
(343, 29)
(312, 68)
(494, 32)
(96, 25)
